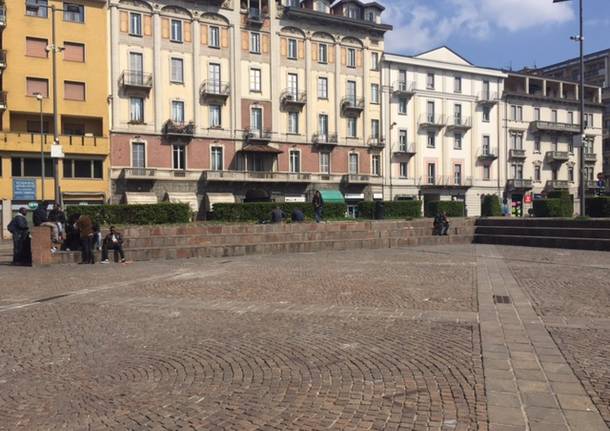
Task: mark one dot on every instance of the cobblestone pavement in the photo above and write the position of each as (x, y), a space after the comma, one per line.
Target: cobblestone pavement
(358, 340)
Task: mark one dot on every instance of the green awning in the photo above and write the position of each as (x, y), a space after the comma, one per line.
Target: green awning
(332, 197)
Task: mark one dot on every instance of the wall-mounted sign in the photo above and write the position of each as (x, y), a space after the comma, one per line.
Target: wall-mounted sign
(24, 189)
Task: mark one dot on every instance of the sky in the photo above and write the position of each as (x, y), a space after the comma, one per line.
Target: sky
(507, 34)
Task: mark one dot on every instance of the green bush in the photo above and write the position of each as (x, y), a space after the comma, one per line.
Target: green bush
(262, 211)
(567, 202)
(598, 207)
(161, 213)
(548, 208)
(392, 209)
(452, 208)
(491, 206)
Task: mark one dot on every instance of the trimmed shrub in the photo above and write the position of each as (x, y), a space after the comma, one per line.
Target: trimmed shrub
(161, 213)
(452, 208)
(598, 207)
(392, 209)
(490, 206)
(567, 202)
(259, 211)
(548, 208)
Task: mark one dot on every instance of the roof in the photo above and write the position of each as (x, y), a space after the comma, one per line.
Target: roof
(360, 3)
(440, 48)
(576, 59)
(260, 148)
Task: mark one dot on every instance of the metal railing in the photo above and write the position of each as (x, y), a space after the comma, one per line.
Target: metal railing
(293, 97)
(488, 153)
(488, 97)
(519, 183)
(517, 153)
(404, 87)
(132, 78)
(211, 87)
(179, 129)
(460, 122)
(557, 184)
(324, 138)
(558, 156)
(408, 149)
(255, 16)
(590, 157)
(376, 141)
(258, 134)
(352, 103)
(445, 181)
(556, 127)
(432, 120)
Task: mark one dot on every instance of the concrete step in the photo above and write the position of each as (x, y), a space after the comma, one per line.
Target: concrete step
(600, 244)
(545, 222)
(559, 232)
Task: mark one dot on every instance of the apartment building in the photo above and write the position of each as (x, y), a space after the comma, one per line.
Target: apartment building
(444, 129)
(541, 120)
(224, 101)
(26, 101)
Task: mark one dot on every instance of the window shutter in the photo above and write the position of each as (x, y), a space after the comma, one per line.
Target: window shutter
(301, 49)
(244, 41)
(358, 58)
(224, 37)
(343, 56)
(147, 25)
(314, 51)
(187, 32)
(283, 47)
(265, 38)
(204, 34)
(165, 28)
(331, 54)
(124, 22)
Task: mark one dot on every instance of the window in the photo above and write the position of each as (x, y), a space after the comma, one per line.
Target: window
(570, 117)
(353, 163)
(404, 170)
(457, 114)
(178, 111)
(293, 122)
(214, 37)
(255, 80)
(135, 24)
(138, 155)
(431, 139)
(26, 167)
(486, 90)
(325, 162)
(570, 174)
(486, 172)
(486, 114)
(516, 141)
(353, 12)
(457, 84)
(217, 159)
(36, 86)
(571, 146)
(486, 145)
(177, 70)
(554, 115)
(36, 8)
(375, 129)
(376, 165)
(215, 116)
(292, 49)
(255, 42)
(77, 168)
(178, 157)
(374, 60)
(351, 90)
(537, 144)
(33, 126)
(323, 125)
(537, 173)
(322, 88)
(431, 173)
(402, 140)
(176, 30)
(430, 81)
(370, 16)
(35, 47)
(136, 110)
(555, 143)
(457, 141)
(517, 171)
(214, 78)
(295, 161)
(323, 53)
(74, 52)
(74, 129)
(74, 12)
(516, 113)
(589, 121)
(537, 114)
(351, 57)
(457, 174)
(402, 106)
(352, 128)
(375, 93)
(293, 84)
(430, 111)
(256, 118)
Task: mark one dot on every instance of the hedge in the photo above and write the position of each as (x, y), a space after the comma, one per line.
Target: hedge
(161, 213)
(598, 207)
(567, 202)
(548, 208)
(491, 206)
(452, 208)
(392, 209)
(260, 211)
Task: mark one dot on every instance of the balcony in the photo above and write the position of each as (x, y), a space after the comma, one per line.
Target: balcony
(488, 99)
(432, 121)
(179, 130)
(293, 99)
(590, 157)
(405, 151)
(557, 185)
(136, 80)
(352, 106)
(376, 143)
(487, 154)
(519, 184)
(357, 179)
(517, 153)
(154, 174)
(403, 89)
(258, 176)
(2, 58)
(255, 17)
(258, 136)
(325, 139)
(445, 181)
(592, 185)
(553, 127)
(3, 100)
(558, 156)
(460, 123)
(2, 15)
(71, 144)
(211, 89)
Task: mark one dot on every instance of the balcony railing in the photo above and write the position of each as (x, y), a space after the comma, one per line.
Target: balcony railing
(3, 100)
(404, 88)
(376, 141)
(293, 98)
(155, 174)
(557, 185)
(592, 185)
(590, 157)
(550, 126)
(430, 120)
(255, 16)
(213, 88)
(325, 139)
(2, 15)
(405, 150)
(463, 123)
(259, 176)
(352, 105)
(445, 181)
(519, 184)
(258, 135)
(517, 153)
(488, 154)
(558, 156)
(361, 179)
(488, 98)
(173, 128)
(139, 173)
(136, 79)
(2, 58)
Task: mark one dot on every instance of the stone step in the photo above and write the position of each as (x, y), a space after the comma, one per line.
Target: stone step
(563, 232)
(546, 222)
(600, 244)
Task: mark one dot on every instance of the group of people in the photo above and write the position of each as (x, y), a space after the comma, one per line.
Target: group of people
(297, 215)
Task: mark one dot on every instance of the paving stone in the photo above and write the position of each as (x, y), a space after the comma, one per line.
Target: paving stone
(589, 421)
(539, 399)
(575, 402)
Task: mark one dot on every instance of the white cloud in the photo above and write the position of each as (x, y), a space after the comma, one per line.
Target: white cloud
(418, 27)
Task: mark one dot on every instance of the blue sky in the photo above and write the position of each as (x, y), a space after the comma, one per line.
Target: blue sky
(497, 33)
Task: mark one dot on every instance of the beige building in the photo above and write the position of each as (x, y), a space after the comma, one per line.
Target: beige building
(248, 99)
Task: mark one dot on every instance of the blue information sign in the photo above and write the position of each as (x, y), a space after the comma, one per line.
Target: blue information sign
(24, 189)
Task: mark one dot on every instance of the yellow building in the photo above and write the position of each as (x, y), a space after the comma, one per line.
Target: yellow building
(82, 100)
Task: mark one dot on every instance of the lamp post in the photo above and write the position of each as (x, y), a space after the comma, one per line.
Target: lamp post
(42, 170)
(581, 39)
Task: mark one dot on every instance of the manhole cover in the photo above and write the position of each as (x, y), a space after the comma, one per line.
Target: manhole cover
(501, 299)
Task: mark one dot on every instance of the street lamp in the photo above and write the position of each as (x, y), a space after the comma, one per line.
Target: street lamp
(39, 98)
(580, 38)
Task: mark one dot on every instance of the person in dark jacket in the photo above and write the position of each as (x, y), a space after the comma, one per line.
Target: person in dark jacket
(57, 216)
(40, 214)
(318, 205)
(18, 227)
(277, 215)
(113, 241)
(297, 216)
(85, 230)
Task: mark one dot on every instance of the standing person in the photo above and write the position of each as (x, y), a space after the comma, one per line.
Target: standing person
(444, 224)
(18, 227)
(40, 216)
(318, 205)
(114, 241)
(85, 230)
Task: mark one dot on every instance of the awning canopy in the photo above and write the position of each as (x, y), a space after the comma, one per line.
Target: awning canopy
(218, 198)
(260, 148)
(332, 197)
(135, 198)
(184, 198)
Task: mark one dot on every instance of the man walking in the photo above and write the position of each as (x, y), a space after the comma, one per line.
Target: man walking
(18, 227)
(85, 230)
(318, 204)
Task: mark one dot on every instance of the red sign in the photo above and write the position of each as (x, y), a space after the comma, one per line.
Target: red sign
(528, 199)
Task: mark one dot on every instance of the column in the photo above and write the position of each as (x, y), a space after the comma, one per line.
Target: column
(115, 65)
(366, 89)
(311, 95)
(157, 71)
(338, 130)
(196, 38)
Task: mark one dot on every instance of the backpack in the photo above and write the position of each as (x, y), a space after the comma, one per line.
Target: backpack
(11, 227)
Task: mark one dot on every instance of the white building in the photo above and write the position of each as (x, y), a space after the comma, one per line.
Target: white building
(443, 123)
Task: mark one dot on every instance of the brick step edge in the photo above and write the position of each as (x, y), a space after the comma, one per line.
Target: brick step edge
(544, 231)
(595, 244)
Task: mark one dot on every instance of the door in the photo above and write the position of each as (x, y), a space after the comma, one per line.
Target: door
(486, 95)
(138, 155)
(323, 120)
(256, 119)
(214, 77)
(293, 84)
(136, 68)
(430, 111)
(457, 113)
(351, 90)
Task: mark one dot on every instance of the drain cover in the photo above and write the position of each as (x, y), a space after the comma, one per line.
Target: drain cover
(501, 299)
